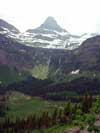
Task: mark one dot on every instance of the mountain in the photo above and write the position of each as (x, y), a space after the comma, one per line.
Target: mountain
(45, 63)
(6, 26)
(50, 24)
(51, 35)
(9, 30)
(47, 35)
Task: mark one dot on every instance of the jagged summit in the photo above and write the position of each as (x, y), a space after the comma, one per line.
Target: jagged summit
(51, 24)
(50, 21)
(6, 26)
(48, 35)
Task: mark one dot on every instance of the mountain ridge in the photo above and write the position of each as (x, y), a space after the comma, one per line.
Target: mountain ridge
(48, 35)
(5, 25)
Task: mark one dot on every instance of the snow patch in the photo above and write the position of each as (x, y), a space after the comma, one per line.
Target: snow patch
(75, 72)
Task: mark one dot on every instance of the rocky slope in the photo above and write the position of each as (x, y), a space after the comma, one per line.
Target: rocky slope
(8, 29)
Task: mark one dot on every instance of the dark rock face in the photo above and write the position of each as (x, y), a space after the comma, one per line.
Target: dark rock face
(89, 54)
(86, 57)
(14, 54)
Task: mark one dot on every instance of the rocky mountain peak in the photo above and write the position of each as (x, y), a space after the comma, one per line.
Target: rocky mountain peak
(51, 24)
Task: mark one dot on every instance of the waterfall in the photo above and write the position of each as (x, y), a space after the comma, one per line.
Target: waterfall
(48, 63)
(59, 60)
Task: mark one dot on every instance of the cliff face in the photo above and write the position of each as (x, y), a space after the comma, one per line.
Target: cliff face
(14, 54)
(89, 54)
(21, 57)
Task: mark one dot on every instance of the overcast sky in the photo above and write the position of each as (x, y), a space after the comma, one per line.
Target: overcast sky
(76, 16)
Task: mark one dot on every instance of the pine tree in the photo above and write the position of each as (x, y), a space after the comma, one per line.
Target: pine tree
(90, 101)
(68, 109)
(87, 101)
(45, 119)
(62, 118)
(54, 116)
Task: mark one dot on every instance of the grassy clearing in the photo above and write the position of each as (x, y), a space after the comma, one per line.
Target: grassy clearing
(21, 106)
(40, 71)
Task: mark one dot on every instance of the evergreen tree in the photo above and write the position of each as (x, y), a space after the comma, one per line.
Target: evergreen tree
(54, 116)
(45, 119)
(68, 109)
(87, 101)
(62, 118)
